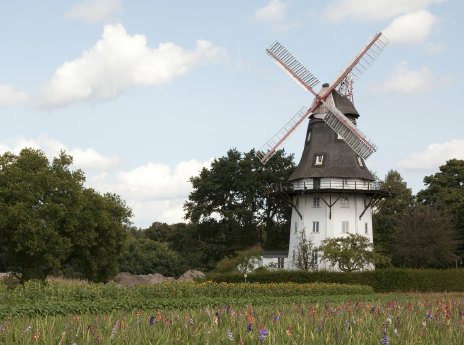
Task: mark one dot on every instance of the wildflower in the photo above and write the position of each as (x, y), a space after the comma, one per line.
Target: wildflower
(429, 315)
(27, 329)
(115, 329)
(263, 333)
(152, 320)
(229, 335)
(36, 336)
(389, 319)
(289, 332)
(2, 328)
(384, 340)
(190, 321)
(249, 327)
(276, 317)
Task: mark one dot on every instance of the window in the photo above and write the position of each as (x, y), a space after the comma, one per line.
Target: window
(316, 201)
(344, 202)
(316, 182)
(360, 162)
(316, 226)
(314, 258)
(296, 227)
(319, 159)
(345, 227)
(366, 228)
(280, 262)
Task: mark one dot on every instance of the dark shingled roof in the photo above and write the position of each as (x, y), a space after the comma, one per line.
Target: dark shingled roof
(339, 161)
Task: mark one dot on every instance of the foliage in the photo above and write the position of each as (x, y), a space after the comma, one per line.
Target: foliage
(381, 280)
(304, 253)
(142, 255)
(49, 221)
(389, 209)
(445, 191)
(244, 261)
(351, 253)
(423, 238)
(234, 195)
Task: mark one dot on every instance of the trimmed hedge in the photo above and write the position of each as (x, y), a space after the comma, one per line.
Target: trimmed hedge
(381, 280)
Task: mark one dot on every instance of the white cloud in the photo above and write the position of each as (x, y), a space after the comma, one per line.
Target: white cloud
(95, 10)
(434, 156)
(274, 13)
(410, 28)
(117, 61)
(407, 80)
(10, 97)
(86, 159)
(155, 192)
(371, 11)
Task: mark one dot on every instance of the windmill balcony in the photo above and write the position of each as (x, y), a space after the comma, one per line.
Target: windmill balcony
(330, 185)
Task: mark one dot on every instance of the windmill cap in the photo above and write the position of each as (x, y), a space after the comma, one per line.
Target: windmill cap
(325, 85)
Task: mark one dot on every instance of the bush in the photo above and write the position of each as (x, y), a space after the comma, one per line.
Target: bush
(382, 280)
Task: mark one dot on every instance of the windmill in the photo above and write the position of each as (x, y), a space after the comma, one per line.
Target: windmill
(331, 191)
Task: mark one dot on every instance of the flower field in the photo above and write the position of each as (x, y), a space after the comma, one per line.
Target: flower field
(384, 319)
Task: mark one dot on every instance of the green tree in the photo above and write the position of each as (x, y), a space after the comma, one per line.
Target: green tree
(351, 253)
(304, 253)
(389, 210)
(38, 206)
(234, 195)
(100, 235)
(244, 261)
(48, 219)
(142, 255)
(423, 238)
(445, 191)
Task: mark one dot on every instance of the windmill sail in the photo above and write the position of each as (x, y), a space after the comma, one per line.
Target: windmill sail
(334, 118)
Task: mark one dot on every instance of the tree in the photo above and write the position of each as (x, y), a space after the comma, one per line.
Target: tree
(351, 253)
(100, 235)
(244, 261)
(304, 254)
(445, 191)
(142, 255)
(234, 194)
(423, 238)
(389, 209)
(47, 218)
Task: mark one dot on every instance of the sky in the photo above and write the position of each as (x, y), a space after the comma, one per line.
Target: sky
(143, 94)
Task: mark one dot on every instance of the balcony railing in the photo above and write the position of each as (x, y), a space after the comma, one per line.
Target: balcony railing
(327, 185)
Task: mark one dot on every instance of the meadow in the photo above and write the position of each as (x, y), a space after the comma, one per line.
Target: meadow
(211, 313)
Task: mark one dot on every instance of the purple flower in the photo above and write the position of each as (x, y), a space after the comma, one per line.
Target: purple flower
(152, 320)
(249, 327)
(275, 317)
(263, 333)
(429, 315)
(384, 340)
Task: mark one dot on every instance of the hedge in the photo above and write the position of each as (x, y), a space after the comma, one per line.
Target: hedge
(381, 280)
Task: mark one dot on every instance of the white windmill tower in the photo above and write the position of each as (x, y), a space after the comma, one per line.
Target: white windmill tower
(332, 191)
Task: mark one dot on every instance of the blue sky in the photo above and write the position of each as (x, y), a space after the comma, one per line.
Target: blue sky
(144, 93)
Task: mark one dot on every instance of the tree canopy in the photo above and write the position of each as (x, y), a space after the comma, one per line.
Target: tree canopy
(423, 238)
(390, 209)
(234, 196)
(445, 191)
(49, 221)
(350, 253)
